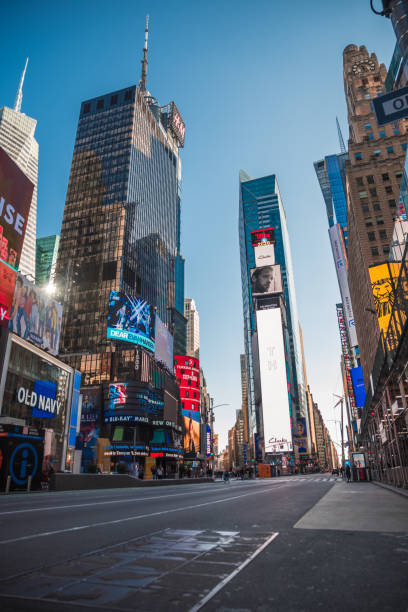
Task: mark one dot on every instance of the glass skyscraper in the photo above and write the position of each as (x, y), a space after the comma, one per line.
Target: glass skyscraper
(46, 259)
(261, 206)
(330, 173)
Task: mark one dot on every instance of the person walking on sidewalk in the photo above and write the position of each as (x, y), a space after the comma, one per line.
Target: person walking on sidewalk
(348, 473)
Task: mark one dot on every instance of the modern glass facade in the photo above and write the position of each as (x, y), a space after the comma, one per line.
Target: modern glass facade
(46, 259)
(260, 206)
(330, 173)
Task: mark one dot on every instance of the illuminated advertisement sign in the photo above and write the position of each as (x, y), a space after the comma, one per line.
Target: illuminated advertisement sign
(128, 402)
(36, 316)
(340, 261)
(163, 350)
(301, 432)
(358, 386)
(8, 278)
(263, 236)
(346, 358)
(274, 382)
(208, 442)
(130, 319)
(264, 255)
(383, 282)
(177, 125)
(266, 280)
(42, 399)
(187, 370)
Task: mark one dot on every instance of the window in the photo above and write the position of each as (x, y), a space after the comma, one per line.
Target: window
(373, 192)
(362, 194)
(365, 208)
(109, 270)
(377, 152)
(390, 150)
(404, 146)
(128, 94)
(370, 179)
(376, 206)
(391, 203)
(369, 222)
(385, 176)
(87, 107)
(376, 78)
(367, 126)
(371, 236)
(382, 134)
(358, 156)
(370, 136)
(189, 383)
(388, 189)
(386, 249)
(398, 175)
(380, 220)
(186, 394)
(359, 181)
(383, 234)
(367, 96)
(374, 251)
(114, 100)
(397, 131)
(100, 104)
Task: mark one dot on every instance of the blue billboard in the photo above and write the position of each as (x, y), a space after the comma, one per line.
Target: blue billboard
(358, 386)
(131, 319)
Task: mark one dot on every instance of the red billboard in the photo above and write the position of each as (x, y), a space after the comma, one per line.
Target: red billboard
(263, 236)
(16, 191)
(187, 370)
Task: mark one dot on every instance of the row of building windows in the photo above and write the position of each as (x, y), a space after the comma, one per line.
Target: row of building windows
(377, 152)
(382, 235)
(371, 180)
(376, 206)
(375, 250)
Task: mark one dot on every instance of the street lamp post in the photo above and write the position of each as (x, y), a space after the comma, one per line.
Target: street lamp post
(341, 400)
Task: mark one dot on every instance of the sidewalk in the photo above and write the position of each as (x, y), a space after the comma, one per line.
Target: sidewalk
(358, 506)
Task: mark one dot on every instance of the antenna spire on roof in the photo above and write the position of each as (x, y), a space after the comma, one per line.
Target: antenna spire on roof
(19, 97)
(341, 141)
(144, 60)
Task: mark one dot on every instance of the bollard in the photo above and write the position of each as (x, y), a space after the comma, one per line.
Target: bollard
(29, 484)
(8, 483)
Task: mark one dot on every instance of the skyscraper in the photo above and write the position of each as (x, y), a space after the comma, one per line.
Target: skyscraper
(46, 259)
(121, 224)
(193, 328)
(261, 206)
(17, 139)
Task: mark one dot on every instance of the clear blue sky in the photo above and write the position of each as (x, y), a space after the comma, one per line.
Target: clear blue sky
(259, 85)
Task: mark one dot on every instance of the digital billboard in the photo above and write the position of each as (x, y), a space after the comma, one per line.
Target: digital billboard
(340, 261)
(264, 255)
(263, 236)
(273, 374)
(89, 424)
(163, 349)
(187, 371)
(133, 402)
(383, 282)
(266, 280)
(358, 386)
(131, 319)
(191, 420)
(35, 316)
(301, 432)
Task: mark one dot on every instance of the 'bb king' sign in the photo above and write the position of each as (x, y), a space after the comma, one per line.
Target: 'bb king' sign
(48, 406)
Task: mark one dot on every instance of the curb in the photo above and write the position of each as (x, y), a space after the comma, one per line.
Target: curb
(402, 492)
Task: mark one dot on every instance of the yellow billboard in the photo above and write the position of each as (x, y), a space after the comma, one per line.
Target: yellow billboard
(384, 279)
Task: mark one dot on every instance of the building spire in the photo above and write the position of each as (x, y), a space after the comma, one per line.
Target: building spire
(341, 141)
(144, 60)
(19, 97)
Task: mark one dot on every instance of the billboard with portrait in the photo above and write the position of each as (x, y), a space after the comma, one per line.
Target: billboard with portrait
(301, 432)
(35, 316)
(90, 423)
(131, 319)
(383, 282)
(132, 402)
(266, 280)
(163, 340)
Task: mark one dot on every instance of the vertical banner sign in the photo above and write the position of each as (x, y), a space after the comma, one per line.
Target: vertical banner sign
(346, 357)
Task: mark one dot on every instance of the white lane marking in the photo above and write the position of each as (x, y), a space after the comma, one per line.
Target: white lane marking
(133, 518)
(222, 584)
(102, 503)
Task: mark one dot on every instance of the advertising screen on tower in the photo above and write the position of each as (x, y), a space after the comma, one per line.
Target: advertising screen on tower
(266, 280)
(187, 370)
(274, 383)
(383, 282)
(263, 236)
(36, 316)
(131, 319)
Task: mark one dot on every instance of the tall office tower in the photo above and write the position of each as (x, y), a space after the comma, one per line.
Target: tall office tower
(244, 405)
(46, 259)
(193, 328)
(373, 176)
(17, 139)
(261, 207)
(121, 223)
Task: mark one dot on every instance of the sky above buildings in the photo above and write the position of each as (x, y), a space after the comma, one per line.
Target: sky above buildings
(259, 86)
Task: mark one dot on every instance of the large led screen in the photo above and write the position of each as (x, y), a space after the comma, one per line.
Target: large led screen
(263, 236)
(163, 350)
(266, 280)
(274, 383)
(131, 319)
(383, 281)
(36, 316)
(132, 402)
(191, 420)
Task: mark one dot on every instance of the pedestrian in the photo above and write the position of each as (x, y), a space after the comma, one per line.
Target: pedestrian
(154, 473)
(348, 473)
(226, 476)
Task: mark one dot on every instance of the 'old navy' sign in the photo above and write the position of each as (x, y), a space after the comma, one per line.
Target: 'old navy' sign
(41, 400)
(391, 106)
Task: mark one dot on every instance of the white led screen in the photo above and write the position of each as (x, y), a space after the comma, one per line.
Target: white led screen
(274, 384)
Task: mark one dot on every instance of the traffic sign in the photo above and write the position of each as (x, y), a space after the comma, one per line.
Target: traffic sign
(391, 106)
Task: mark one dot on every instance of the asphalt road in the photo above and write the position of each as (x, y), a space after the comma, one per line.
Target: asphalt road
(295, 543)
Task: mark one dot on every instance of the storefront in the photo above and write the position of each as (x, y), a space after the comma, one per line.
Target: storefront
(36, 393)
